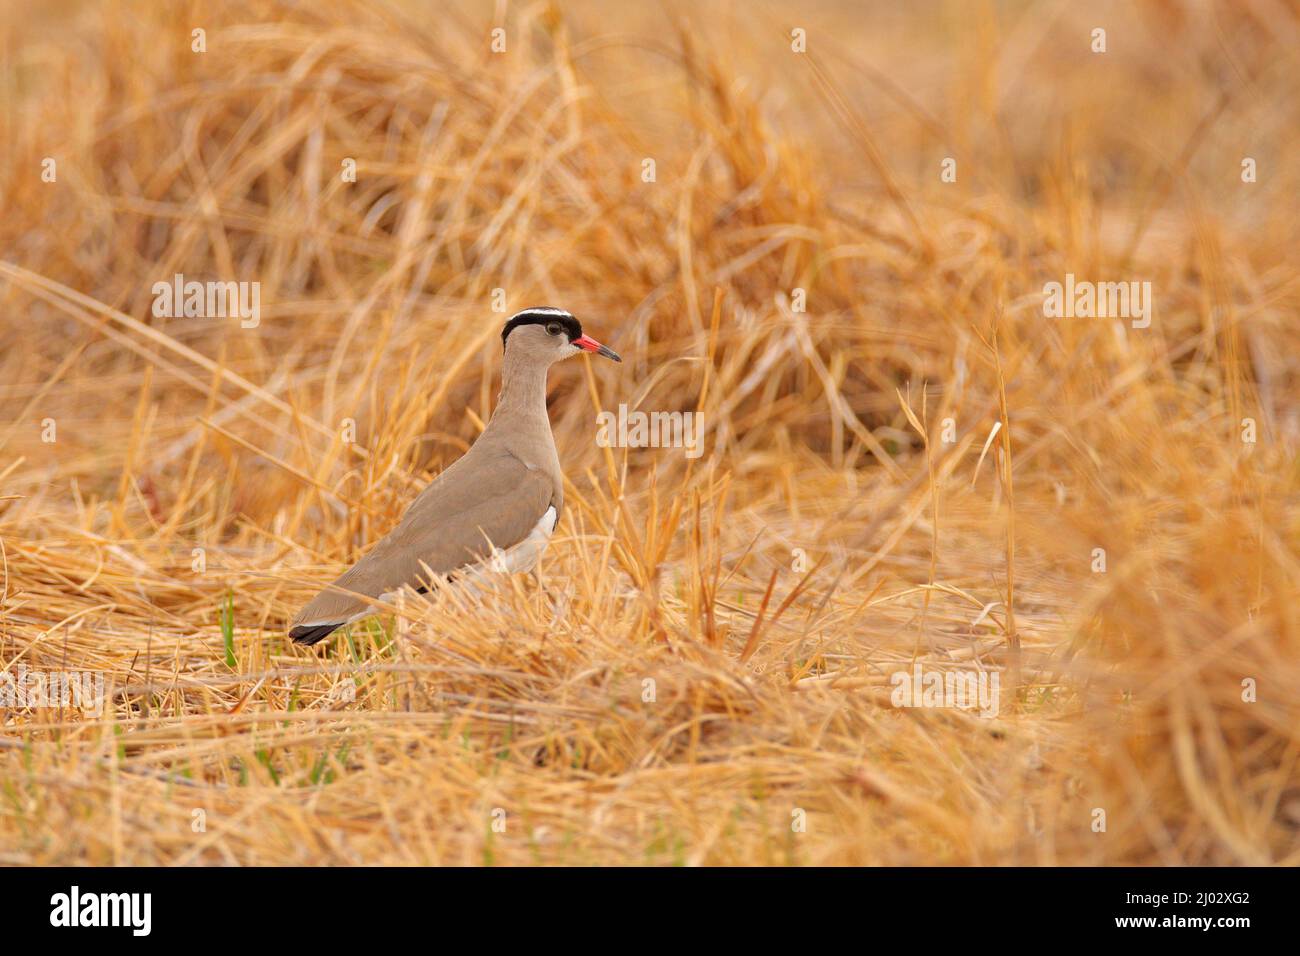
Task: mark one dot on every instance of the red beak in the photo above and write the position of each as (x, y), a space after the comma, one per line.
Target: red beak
(588, 344)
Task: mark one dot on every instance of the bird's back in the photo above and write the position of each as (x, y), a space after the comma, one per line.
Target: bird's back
(492, 497)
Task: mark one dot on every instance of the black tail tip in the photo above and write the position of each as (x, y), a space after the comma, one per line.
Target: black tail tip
(312, 633)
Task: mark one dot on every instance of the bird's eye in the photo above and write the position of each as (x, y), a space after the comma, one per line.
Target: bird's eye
(553, 328)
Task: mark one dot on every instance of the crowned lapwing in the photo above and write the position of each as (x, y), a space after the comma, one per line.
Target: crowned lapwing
(492, 509)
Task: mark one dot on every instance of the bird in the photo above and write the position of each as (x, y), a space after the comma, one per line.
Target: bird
(494, 508)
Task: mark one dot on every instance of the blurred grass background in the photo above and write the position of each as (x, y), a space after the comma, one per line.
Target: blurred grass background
(409, 736)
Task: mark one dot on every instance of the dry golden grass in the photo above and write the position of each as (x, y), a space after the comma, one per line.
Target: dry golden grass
(775, 171)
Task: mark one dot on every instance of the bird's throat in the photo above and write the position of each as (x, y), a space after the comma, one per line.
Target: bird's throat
(523, 393)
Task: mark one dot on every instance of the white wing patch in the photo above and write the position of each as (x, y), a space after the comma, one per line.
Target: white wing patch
(516, 560)
(523, 556)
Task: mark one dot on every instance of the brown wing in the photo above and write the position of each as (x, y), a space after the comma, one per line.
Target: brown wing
(455, 521)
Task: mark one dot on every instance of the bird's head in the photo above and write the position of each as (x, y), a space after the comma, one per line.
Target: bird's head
(547, 335)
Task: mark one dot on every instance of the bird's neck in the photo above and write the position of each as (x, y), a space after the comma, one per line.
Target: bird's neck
(522, 401)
